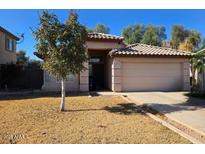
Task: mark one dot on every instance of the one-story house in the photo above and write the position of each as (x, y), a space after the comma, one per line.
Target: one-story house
(119, 67)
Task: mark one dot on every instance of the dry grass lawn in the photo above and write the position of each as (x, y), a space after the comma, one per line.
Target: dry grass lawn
(100, 119)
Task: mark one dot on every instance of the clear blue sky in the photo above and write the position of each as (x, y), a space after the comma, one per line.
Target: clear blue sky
(20, 21)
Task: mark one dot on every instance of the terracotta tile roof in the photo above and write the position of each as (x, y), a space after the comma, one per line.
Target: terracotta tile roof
(148, 50)
(102, 36)
(202, 50)
(9, 33)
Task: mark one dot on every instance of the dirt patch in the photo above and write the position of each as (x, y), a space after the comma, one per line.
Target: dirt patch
(100, 119)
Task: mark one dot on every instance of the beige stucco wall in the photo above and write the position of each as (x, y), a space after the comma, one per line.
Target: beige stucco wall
(117, 69)
(73, 82)
(6, 56)
(52, 84)
(103, 45)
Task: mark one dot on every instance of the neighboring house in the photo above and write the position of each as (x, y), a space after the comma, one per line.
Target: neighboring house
(7, 46)
(138, 67)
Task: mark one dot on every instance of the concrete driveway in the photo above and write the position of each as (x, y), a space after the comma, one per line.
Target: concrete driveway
(186, 110)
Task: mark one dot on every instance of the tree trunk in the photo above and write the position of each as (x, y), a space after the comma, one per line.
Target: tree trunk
(62, 105)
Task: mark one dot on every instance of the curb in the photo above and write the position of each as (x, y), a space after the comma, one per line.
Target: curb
(166, 124)
(174, 119)
(194, 129)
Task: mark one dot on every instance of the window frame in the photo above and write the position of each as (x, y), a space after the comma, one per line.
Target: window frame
(9, 44)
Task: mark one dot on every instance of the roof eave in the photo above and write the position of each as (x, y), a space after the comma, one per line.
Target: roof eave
(9, 33)
(152, 56)
(105, 39)
(202, 50)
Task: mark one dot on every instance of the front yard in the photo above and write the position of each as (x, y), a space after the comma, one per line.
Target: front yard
(100, 119)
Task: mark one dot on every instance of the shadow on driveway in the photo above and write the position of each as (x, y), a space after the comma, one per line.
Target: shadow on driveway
(191, 104)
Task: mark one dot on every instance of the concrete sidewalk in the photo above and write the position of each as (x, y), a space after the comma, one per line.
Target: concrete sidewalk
(187, 111)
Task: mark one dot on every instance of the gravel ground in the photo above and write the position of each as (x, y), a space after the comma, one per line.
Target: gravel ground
(100, 119)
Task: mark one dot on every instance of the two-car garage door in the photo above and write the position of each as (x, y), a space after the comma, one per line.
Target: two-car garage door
(137, 76)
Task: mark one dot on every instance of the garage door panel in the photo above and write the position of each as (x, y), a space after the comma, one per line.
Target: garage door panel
(150, 73)
(151, 76)
(148, 80)
(154, 65)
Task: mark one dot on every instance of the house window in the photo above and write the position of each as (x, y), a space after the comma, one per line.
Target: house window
(9, 44)
(96, 59)
(70, 77)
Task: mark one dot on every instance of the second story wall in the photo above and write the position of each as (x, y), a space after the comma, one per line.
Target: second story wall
(7, 49)
(103, 45)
